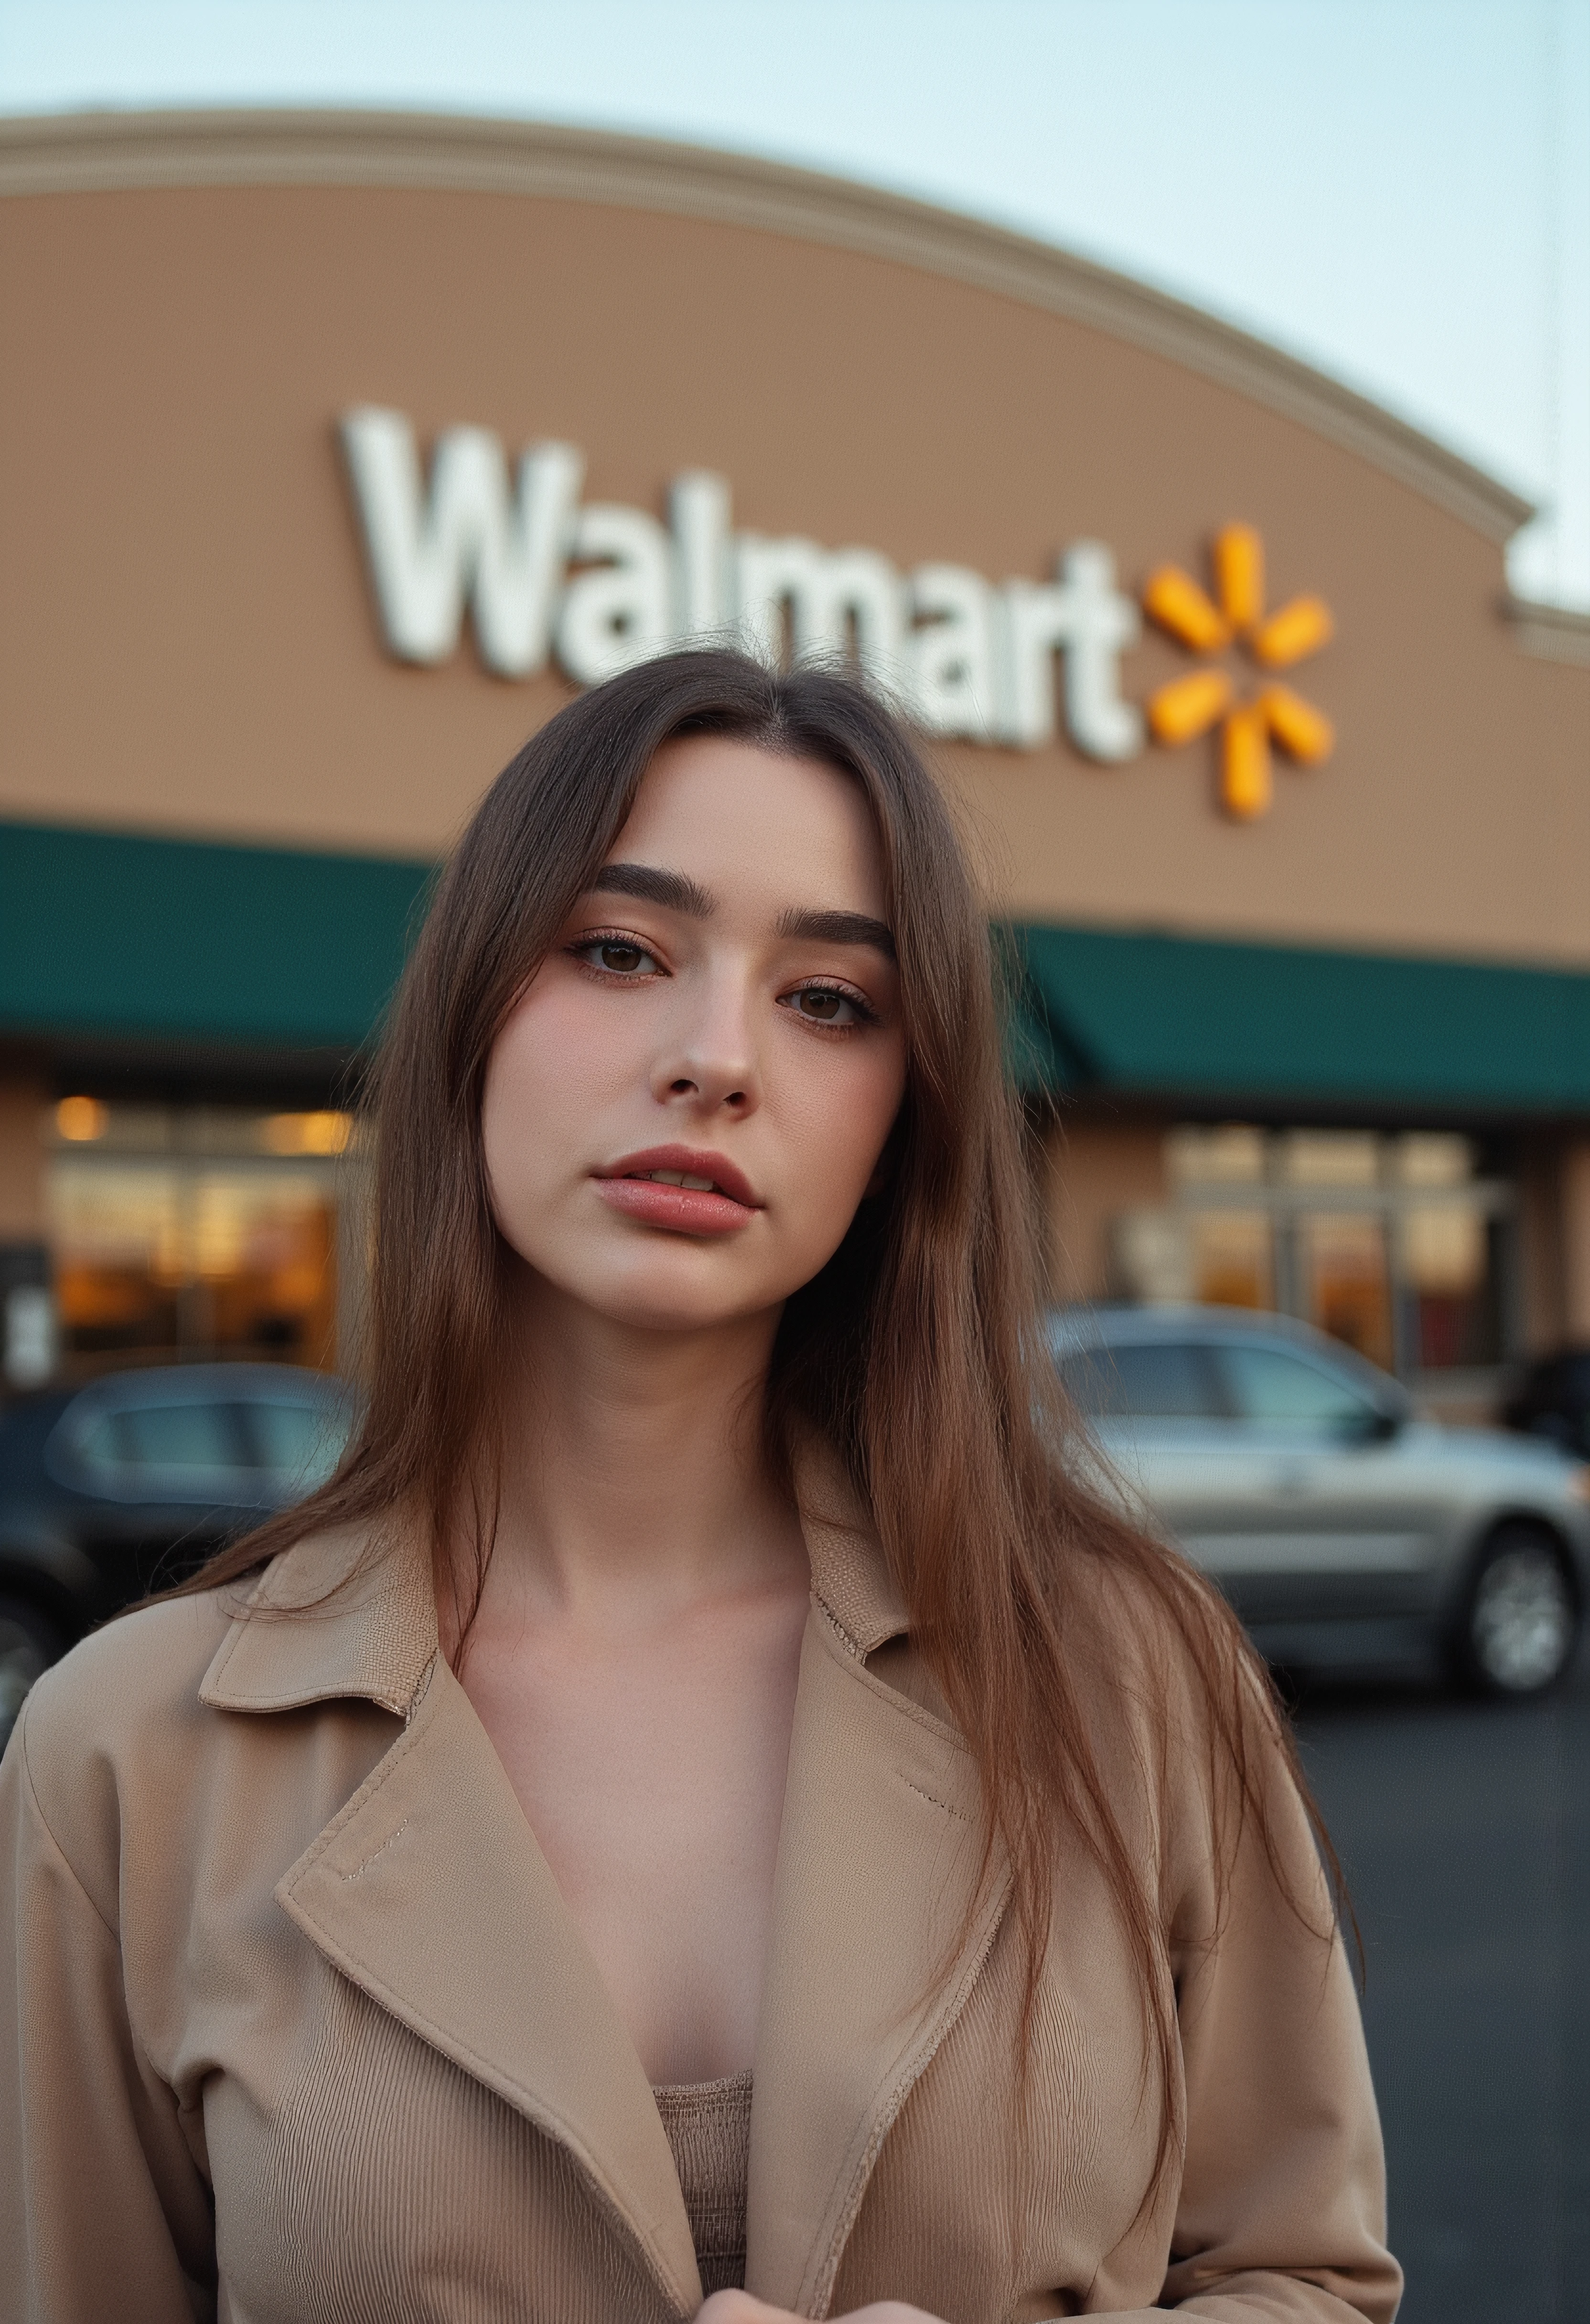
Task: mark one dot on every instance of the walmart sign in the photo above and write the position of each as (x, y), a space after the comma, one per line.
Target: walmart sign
(546, 575)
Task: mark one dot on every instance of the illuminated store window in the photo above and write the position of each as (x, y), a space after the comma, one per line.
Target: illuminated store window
(1231, 1154)
(1325, 1158)
(1391, 1243)
(1347, 1280)
(1233, 1255)
(1230, 1251)
(188, 1233)
(1447, 1260)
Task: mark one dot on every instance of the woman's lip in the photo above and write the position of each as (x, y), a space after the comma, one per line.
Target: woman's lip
(724, 1208)
(685, 1210)
(726, 1178)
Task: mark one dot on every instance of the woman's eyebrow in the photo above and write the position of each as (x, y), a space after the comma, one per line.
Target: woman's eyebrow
(674, 890)
(677, 892)
(839, 928)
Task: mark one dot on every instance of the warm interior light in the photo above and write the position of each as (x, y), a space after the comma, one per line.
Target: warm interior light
(308, 1133)
(82, 1119)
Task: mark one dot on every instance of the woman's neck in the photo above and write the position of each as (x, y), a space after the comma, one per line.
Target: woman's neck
(634, 1478)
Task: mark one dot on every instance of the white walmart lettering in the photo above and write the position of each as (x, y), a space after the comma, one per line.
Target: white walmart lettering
(600, 587)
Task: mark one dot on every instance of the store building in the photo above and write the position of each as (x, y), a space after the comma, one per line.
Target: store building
(338, 448)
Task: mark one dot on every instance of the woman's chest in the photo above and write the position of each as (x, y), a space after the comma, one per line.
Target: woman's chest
(655, 1786)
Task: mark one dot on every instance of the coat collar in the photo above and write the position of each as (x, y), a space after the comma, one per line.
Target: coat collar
(429, 1892)
(353, 1611)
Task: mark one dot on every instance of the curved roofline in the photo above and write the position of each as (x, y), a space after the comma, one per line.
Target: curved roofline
(106, 151)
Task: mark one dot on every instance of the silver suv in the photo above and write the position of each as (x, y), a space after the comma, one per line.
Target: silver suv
(1346, 1531)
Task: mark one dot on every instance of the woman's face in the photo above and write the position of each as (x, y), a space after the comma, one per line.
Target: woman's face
(721, 1009)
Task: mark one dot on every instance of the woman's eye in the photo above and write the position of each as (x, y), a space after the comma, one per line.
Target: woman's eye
(617, 954)
(820, 1004)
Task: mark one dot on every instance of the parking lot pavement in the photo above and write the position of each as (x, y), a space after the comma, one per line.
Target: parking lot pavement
(1464, 1831)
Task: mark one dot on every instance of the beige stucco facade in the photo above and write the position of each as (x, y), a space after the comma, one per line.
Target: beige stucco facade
(188, 645)
(193, 585)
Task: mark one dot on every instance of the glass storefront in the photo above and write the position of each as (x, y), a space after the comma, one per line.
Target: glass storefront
(1390, 1242)
(180, 1233)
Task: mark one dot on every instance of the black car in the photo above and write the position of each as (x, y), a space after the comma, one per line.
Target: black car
(1553, 1399)
(111, 1490)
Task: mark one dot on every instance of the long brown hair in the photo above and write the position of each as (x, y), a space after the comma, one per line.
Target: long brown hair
(917, 1350)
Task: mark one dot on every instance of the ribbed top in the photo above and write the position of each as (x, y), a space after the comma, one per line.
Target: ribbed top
(708, 2127)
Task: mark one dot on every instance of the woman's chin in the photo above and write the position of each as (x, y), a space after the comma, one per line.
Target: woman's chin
(664, 1309)
(662, 1296)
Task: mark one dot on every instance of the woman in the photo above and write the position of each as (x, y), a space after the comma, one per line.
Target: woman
(704, 1796)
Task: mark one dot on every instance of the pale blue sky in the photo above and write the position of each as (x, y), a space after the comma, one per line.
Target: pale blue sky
(1398, 191)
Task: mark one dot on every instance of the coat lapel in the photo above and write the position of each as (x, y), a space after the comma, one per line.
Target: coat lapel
(873, 1954)
(429, 1891)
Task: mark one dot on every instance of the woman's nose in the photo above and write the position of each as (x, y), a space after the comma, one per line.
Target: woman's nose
(709, 1064)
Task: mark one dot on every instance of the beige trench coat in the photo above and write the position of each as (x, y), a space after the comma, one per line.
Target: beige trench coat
(295, 2028)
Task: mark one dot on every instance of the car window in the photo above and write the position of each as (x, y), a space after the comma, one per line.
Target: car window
(1276, 1389)
(94, 1441)
(298, 1442)
(1152, 1380)
(188, 1439)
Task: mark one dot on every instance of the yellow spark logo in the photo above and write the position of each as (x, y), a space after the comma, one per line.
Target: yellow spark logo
(1189, 706)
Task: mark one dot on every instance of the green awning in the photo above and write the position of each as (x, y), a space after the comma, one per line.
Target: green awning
(108, 936)
(116, 936)
(1179, 1017)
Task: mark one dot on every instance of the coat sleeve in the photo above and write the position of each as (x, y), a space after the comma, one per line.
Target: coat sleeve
(1282, 2208)
(103, 2210)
